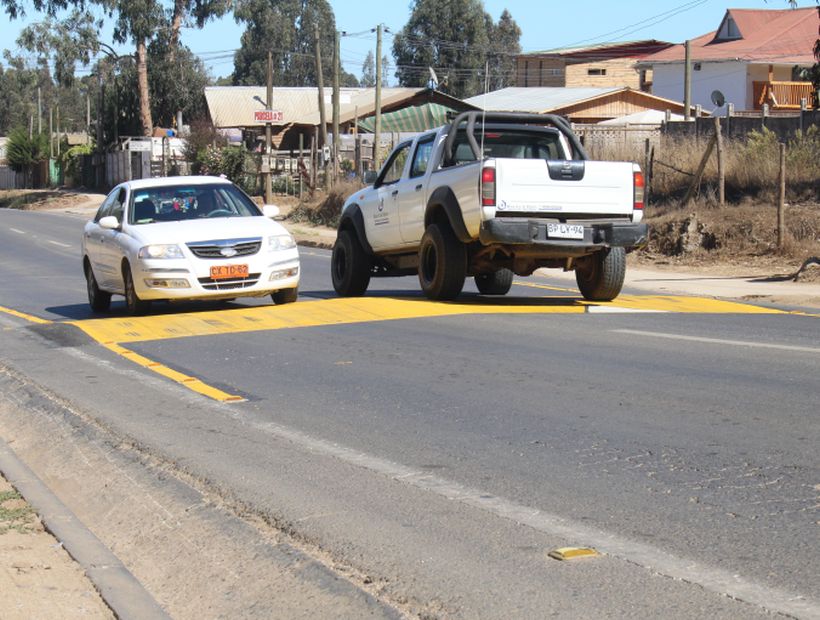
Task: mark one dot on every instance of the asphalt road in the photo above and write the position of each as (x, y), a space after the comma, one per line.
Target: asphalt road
(443, 455)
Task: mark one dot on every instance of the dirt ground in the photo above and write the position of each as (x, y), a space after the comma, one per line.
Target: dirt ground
(38, 579)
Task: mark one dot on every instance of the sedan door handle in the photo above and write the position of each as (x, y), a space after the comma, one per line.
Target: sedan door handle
(418, 187)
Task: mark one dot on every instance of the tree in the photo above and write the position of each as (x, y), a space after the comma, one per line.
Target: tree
(385, 70)
(504, 46)
(197, 12)
(284, 27)
(368, 71)
(449, 36)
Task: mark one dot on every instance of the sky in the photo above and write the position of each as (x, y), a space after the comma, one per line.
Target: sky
(545, 24)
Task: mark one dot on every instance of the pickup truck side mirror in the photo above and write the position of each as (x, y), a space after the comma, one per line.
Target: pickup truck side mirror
(270, 211)
(370, 177)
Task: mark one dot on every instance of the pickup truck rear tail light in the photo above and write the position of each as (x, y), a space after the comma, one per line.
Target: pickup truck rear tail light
(638, 185)
(488, 187)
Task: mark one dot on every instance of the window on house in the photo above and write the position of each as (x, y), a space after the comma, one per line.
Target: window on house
(596, 71)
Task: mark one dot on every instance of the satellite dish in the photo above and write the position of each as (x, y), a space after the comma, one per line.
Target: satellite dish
(432, 84)
(718, 98)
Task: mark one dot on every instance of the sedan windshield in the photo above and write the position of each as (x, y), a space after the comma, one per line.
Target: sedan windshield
(188, 202)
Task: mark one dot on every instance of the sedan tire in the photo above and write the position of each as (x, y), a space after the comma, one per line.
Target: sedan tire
(100, 301)
(285, 296)
(135, 305)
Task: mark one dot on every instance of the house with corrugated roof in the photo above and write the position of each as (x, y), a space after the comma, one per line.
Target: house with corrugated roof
(751, 59)
(604, 65)
(296, 110)
(579, 105)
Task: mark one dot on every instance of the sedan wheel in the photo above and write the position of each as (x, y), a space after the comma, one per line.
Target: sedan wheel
(100, 301)
(285, 296)
(136, 306)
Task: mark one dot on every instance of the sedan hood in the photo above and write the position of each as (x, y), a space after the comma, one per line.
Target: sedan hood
(188, 231)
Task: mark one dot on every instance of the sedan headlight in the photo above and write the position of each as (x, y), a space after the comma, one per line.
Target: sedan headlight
(281, 242)
(161, 251)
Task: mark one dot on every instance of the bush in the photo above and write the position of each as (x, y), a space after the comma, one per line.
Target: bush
(22, 152)
(70, 160)
(232, 161)
(328, 211)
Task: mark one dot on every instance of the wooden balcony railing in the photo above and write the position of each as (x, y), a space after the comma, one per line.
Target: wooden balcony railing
(782, 95)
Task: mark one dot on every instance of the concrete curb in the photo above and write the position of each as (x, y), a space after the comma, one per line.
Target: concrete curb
(118, 587)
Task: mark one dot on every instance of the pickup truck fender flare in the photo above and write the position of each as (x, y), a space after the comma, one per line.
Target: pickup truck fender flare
(443, 204)
(353, 218)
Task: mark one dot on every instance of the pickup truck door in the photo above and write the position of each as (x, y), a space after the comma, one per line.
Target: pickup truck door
(412, 191)
(381, 218)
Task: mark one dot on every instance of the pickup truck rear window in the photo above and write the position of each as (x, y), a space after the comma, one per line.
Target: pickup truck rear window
(510, 144)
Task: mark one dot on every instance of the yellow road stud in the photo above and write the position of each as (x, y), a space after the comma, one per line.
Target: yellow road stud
(573, 553)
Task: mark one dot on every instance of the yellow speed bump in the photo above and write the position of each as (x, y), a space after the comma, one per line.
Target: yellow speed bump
(573, 553)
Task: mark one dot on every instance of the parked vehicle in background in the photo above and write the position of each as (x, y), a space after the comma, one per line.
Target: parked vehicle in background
(489, 196)
(184, 238)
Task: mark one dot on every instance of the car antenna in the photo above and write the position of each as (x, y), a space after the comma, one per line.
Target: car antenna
(484, 109)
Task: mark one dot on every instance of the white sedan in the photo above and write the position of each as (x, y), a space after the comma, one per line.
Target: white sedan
(181, 238)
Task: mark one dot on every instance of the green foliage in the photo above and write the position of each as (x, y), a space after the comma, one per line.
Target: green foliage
(504, 45)
(234, 162)
(22, 152)
(285, 27)
(455, 39)
(63, 43)
(70, 160)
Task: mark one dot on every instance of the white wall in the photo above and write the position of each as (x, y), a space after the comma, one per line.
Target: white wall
(730, 78)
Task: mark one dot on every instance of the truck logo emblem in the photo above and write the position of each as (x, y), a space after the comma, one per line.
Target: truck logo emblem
(228, 252)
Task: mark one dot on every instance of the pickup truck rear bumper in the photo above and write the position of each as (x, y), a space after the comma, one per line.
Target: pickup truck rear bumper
(533, 232)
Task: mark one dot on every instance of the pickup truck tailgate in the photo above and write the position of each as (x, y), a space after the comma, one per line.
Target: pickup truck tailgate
(594, 188)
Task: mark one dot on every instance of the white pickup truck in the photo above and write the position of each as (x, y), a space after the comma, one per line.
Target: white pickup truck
(488, 196)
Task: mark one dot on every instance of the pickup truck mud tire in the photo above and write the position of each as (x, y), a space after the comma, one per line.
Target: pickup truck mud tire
(349, 265)
(498, 283)
(600, 276)
(442, 263)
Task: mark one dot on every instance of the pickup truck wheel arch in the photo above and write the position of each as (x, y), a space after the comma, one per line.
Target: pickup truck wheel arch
(352, 218)
(600, 276)
(442, 263)
(443, 204)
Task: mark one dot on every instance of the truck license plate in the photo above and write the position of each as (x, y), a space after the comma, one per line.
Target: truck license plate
(565, 231)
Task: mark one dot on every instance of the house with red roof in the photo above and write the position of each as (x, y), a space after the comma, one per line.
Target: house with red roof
(753, 58)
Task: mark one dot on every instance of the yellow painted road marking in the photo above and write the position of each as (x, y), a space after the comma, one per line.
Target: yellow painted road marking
(22, 315)
(192, 383)
(350, 310)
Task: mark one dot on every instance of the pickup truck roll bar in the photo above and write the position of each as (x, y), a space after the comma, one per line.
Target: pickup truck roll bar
(559, 122)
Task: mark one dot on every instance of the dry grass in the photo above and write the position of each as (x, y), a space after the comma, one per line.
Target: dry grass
(324, 210)
(752, 167)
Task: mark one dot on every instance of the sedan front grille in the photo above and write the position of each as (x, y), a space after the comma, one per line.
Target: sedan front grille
(225, 248)
(209, 284)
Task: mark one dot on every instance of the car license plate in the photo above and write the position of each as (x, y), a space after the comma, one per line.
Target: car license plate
(225, 272)
(565, 231)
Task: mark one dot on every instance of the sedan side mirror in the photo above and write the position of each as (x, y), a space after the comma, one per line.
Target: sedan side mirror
(370, 177)
(270, 211)
(109, 222)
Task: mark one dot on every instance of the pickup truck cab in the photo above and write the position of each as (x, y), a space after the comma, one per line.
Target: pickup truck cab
(488, 196)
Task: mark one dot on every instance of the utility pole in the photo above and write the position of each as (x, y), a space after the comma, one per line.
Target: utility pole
(39, 111)
(51, 132)
(321, 83)
(687, 80)
(269, 106)
(378, 121)
(58, 131)
(337, 139)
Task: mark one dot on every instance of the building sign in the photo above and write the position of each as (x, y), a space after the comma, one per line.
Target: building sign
(269, 116)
